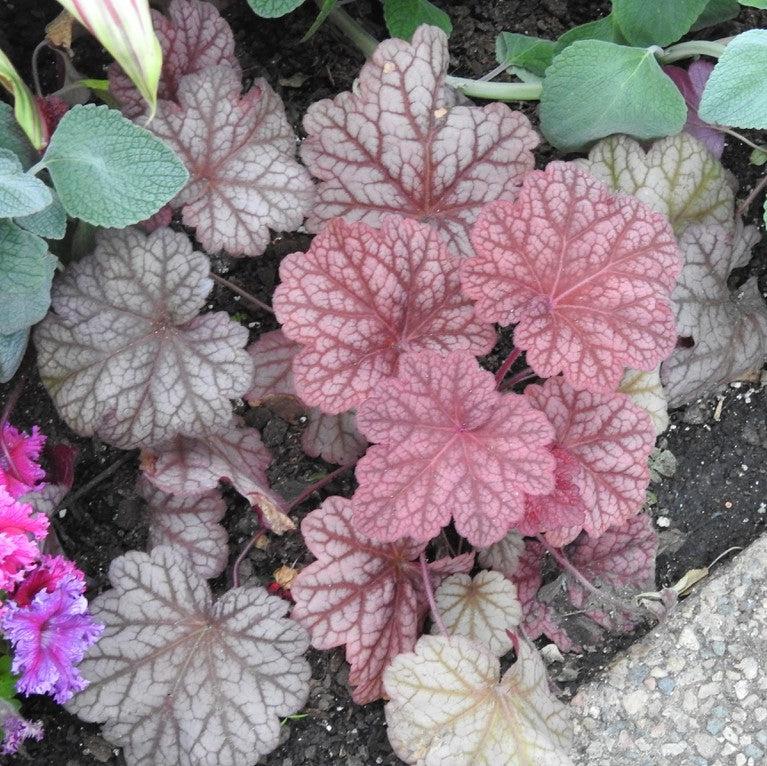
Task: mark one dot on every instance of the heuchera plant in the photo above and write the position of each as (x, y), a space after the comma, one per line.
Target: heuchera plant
(431, 227)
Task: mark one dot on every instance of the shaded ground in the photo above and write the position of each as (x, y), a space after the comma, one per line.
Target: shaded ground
(715, 500)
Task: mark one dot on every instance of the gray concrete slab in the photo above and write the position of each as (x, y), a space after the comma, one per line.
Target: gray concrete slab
(693, 692)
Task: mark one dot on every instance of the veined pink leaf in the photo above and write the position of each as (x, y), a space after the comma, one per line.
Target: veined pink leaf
(334, 438)
(193, 37)
(691, 82)
(180, 678)
(610, 439)
(190, 467)
(361, 297)
(124, 353)
(728, 328)
(125, 30)
(584, 274)
(504, 555)
(239, 151)
(366, 596)
(448, 444)
(398, 144)
(189, 524)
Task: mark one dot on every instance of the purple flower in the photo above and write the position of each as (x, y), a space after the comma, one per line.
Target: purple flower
(16, 729)
(50, 635)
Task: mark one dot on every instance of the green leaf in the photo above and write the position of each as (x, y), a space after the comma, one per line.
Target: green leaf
(604, 29)
(20, 194)
(758, 157)
(12, 348)
(26, 273)
(272, 9)
(593, 89)
(716, 12)
(13, 139)
(403, 17)
(109, 171)
(656, 22)
(50, 222)
(327, 7)
(754, 3)
(7, 679)
(531, 53)
(735, 93)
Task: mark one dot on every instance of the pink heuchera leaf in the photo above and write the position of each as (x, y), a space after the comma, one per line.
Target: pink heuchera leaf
(691, 82)
(366, 596)
(361, 297)
(193, 37)
(240, 154)
(448, 444)
(124, 353)
(189, 467)
(610, 439)
(585, 275)
(179, 677)
(334, 438)
(190, 524)
(728, 328)
(398, 144)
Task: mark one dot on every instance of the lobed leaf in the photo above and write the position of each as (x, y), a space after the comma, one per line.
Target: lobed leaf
(504, 555)
(124, 353)
(190, 524)
(677, 176)
(646, 391)
(448, 445)
(361, 297)
(334, 438)
(449, 704)
(728, 328)
(239, 151)
(480, 608)
(398, 144)
(188, 467)
(585, 275)
(366, 596)
(610, 438)
(108, 171)
(193, 37)
(178, 678)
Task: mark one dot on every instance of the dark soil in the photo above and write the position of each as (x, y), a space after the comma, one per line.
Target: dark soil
(715, 501)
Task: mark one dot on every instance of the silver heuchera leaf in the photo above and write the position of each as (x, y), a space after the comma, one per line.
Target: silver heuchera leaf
(190, 524)
(124, 353)
(182, 680)
(728, 329)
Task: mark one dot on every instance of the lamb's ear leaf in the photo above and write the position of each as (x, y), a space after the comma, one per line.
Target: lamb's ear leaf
(206, 664)
(12, 348)
(656, 22)
(273, 9)
(642, 100)
(50, 222)
(604, 29)
(13, 139)
(717, 12)
(20, 193)
(403, 17)
(109, 171)
(531, 53)
(26, 273)
(735, 93)
(448, 702)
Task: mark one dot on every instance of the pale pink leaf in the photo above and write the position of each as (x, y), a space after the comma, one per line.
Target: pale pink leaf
(189, 467)
(448, 445)
(361, 297)
(584, 274)
(190, 524)
(610, 439)
(728, 328)
(193, 37)
(334, 438)
(398, 143)
(366, 596)
(691, 83)
(178, 678)
(124, 353)
(239, 151)
(272, 355)
(481, 608)
(449, 704)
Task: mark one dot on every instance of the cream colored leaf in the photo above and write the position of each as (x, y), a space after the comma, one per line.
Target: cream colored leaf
(647, 392)
(481, 608)
(449, 708)
(677, 176)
